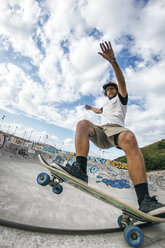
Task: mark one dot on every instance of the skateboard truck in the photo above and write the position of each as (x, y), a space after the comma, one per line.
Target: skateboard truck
(125, 220)
(54, 181)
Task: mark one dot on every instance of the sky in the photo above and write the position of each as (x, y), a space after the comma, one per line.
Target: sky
(50, 67)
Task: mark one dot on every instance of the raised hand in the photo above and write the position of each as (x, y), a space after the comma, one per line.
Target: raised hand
(107, 51)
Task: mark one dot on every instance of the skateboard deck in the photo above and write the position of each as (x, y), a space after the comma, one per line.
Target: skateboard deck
(130, 215)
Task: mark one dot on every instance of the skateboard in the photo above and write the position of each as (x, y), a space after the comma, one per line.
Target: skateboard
(132, 233)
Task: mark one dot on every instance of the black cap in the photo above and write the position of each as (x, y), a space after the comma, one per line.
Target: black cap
(110, 83)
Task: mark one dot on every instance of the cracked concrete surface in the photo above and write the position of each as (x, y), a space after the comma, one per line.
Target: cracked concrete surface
(23, 200)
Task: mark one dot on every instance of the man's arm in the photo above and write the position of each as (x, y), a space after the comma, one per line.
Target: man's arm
(95, 110)
(108, 54)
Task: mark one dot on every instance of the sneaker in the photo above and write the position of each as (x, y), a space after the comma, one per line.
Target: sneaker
(74, 170)
(151, 206)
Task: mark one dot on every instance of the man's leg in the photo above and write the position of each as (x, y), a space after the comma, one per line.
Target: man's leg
(83, 131)
(136, 165)
(79, 168)
(137, 172)
(135, 160)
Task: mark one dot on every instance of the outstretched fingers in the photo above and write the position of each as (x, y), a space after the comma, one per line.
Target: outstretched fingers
(109, 44)
(106, 46)
(102, 46)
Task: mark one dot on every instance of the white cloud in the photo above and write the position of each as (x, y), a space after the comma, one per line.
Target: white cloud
(78, 73)
(147, 110)
(18, 21)
(149, 32)
(20, 93)
(112, 18)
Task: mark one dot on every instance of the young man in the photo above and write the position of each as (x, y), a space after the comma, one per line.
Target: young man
(113, 133)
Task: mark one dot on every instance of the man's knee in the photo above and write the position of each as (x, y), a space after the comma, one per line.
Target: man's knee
(85, 126)
(83, 123)
(127, 141)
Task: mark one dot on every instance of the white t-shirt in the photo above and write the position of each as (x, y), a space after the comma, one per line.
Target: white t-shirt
(114, 111)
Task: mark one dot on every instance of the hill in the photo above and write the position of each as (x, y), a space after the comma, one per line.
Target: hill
(154, 156)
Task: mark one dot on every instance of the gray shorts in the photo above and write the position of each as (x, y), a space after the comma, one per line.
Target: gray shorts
(106, 135)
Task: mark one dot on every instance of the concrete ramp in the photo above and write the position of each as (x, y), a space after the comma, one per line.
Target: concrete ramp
(24, 201)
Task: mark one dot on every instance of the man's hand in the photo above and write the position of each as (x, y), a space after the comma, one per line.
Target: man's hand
(88, 107)
(108, 54)
(95, 110)
(107, 51)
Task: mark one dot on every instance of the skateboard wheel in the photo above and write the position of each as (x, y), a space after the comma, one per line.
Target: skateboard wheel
(43, 179)
(133, 236)
(57, 189)
(119, 221)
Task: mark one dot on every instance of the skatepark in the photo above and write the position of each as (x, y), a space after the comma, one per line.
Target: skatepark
(33, 216)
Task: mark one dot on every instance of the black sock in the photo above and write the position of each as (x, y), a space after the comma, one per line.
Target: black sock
(141, 191)
(82, 161)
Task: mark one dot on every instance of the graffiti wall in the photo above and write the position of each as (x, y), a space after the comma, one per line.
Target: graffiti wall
(96, 160)
(34, 146)
(111, 174)
(50, 149)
